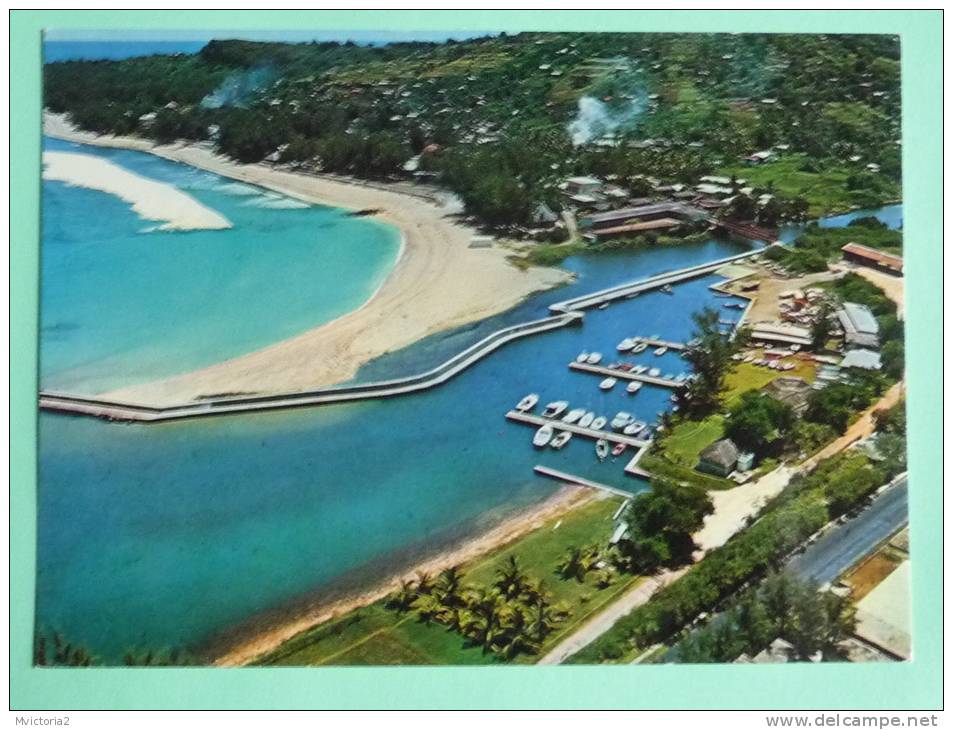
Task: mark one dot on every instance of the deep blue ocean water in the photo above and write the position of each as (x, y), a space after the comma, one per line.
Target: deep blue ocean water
(169, 534)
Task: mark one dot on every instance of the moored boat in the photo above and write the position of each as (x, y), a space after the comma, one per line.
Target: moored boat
(636, 349)
(621, 420)
(598, 422)
(608, 384)
(634, 387)
(594, 358)
(602, 449)
(562, 438)
(528, 403)
(655, 372)
(543, 436)
(574, 415)
(582, 356)
(634, 428)
(555, 408)
(661, 350)
(618, 449)
(587, 419)
(626, 344)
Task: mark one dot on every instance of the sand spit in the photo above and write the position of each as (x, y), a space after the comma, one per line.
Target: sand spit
(150, 199)
(438, 283)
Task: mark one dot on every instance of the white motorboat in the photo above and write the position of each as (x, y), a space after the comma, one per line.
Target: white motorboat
(604, 305)
(661, 350)
(608, 384)
(543, 436)
(528, 402)
(634, 387)
(587, 419)
(594, 358)
(602, 449)
(655, 372)
(669, 376)
(636, 349)
(639, 369)
(555, 408)
(634, 428)
(621, 420)
(582, 356)
(598, 422)
(574, 415)
(627, 344)
(681, 378)
(562, 438)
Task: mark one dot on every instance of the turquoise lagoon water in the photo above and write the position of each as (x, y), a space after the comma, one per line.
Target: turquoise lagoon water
(175, 534)
(123, 302)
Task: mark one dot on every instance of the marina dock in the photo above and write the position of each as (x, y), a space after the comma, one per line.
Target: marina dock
(623, 375)
(595, 434)
(579, 481)
(621, 291)
(652, 342)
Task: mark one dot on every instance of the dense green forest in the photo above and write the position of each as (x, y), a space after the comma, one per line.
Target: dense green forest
(503, 119)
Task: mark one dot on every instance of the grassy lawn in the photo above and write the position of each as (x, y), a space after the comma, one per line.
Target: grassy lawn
(685, 441)
(826, 191)
(376, 635)
(747, 376)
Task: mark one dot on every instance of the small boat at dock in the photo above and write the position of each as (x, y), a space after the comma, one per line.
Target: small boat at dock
(582, 357)
(667, 289)
(634, 387)
(634, 428)
(528, 403)
(598, 422)
(562, 438)
(621, 420)
(618, 449)
(655, 372)
(555, 408)
(661, 350)
(639, 369)
(602, 449)
(543, 436)
(626, 344)
(639, 348)
(574, 415)
(587, 419)
(594, 358)
(604, 305)
(608, 384)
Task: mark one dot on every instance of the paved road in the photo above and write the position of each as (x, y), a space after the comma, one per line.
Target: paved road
(604, 621)
(845, 544)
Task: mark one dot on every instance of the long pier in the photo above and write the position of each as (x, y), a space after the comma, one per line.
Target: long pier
(623, 375)
(653, 342)
(565, 313)
(123, 411)
(579, 481)
(604, 296)
(592, 433)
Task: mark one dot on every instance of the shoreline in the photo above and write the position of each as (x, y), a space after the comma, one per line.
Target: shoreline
(437, 283)
(150, 199)
(510, 529)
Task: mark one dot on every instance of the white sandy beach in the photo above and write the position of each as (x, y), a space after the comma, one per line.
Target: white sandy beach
(438, 283)
(150, 199)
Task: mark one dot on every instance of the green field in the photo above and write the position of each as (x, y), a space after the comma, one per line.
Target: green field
(747, 376)
(825, 190)
(376, 635)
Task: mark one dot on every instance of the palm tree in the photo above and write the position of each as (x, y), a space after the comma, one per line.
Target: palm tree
(448, 586)
(510, 578)
(515, 639)
(424, 582)
(403, 599)
(484, 626)
(577, 562)
(535, 591)
(429, 608)
(540, 621)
